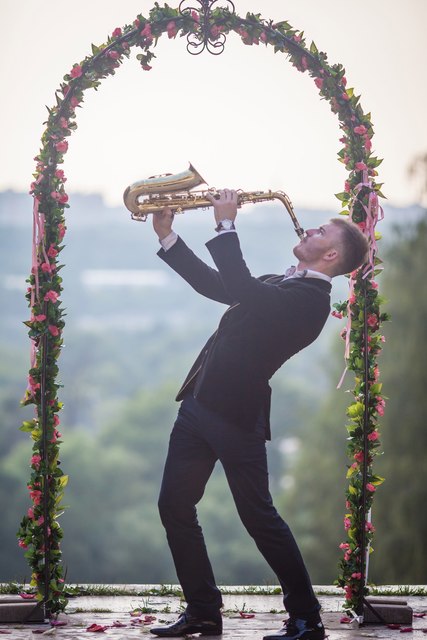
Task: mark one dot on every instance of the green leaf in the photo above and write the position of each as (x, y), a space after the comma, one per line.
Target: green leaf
(28, 426)
(356, 410)
(343, 196)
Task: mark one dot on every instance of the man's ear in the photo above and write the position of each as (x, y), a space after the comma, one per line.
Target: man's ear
(330, 255)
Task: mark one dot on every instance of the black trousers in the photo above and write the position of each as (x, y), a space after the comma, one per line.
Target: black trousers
(200, 438)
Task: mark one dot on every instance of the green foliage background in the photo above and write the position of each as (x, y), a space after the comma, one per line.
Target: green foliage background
(119, 408)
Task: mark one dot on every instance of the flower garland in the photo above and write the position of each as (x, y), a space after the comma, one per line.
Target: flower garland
(40, 532)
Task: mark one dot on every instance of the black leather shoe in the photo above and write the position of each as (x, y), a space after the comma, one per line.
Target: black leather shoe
(298, 629)
(187, 624)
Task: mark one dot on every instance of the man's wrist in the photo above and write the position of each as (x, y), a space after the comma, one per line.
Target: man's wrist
(168, 241)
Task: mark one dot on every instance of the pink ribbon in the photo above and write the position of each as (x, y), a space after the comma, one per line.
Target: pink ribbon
(37, 243)
(374, 213)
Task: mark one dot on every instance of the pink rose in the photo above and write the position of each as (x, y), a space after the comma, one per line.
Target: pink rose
(347, 186)
(372, 320)
(359, 455)
(215, 31)
(368, 144)
(344, 96)
(36, 459)
(347, 523)
(63, 197)
(46, 267)
(337, 314)
(344, 545)
(76, 71)
(30, 513)
(370, 487)
(56, 420)
(51, 296)
(53, 330)
(344, 81)
(146, 32)
(117, 32)
(360, 130)
(369, 526)
(61, 146)
(59, 173)
(74, 101)
(352, 299)
(40, 317)
(356, 575)
(22, 544)
(263, 36)
(360, 166)
(318, 82)
(304, 63)
(374, 435)
(195, 16)
(40, 520)
(146, 67)
(55, 436)
(171, 29)
(114, 55)
(380, 408)
(36, 496)
(52, 252)
(61, 230)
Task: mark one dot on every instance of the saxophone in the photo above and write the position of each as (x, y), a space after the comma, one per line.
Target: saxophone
(153, 194)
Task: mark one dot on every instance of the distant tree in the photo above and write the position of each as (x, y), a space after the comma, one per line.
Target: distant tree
(400, 514)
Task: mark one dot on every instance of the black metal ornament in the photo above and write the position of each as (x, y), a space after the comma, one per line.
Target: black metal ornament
(205, 37)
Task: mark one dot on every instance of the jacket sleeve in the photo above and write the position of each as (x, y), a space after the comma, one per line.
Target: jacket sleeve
(202, 278)
(265, 300)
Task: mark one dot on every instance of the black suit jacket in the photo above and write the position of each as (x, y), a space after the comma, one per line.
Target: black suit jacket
(263, 327)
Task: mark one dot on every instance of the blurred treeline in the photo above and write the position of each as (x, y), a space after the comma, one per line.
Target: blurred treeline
(127, 350)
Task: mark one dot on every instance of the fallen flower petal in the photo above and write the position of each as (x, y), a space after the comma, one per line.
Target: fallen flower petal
(419, 615)
(246, 615)
(406, 630)
(117, 623)
(345, 620)
(97, 628)
(148, 619)
(28, 596)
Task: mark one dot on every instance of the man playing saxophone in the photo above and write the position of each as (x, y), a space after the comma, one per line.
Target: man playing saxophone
(225, 406)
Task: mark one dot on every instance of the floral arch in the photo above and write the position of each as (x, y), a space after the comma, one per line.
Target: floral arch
(205, 27)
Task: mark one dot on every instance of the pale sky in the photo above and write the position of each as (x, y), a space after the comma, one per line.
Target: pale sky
(245, 119)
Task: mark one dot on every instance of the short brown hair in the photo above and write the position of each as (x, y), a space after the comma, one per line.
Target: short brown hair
(354, 246)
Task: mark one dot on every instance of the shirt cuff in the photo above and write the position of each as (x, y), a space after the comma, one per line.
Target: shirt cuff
(219, 233)
(169, 241)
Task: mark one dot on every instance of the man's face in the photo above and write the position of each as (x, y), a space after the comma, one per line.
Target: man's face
(317, 242)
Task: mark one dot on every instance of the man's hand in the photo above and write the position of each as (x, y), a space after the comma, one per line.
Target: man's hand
(225, 204)
(162, 222)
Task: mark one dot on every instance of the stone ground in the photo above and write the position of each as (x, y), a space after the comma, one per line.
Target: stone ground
(247, 616)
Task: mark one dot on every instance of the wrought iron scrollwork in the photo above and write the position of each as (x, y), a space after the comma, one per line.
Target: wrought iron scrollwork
(205, 36)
